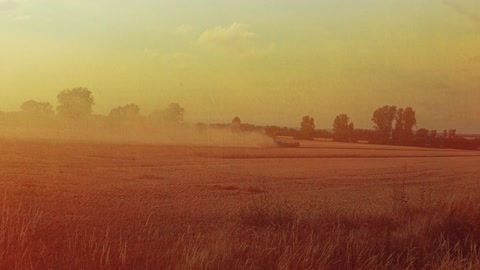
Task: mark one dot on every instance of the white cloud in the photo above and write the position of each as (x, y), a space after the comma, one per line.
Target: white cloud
(235, 38)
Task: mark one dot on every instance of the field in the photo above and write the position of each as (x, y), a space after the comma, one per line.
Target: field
(323, 206)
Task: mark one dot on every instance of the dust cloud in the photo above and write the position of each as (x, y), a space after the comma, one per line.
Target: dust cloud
(104, 129)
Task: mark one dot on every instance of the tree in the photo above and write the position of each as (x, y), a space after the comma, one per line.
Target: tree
(307, 127)
(343, 129)
(421, 137)
(174, 113)
(236, 121)
(452, 133)
(405, 120)
(383, 119)
(127, 112)
(36, 108)
(410, 119)
(75, 103)
(236, 124)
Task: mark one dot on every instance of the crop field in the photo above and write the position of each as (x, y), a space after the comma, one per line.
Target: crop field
(323, 206)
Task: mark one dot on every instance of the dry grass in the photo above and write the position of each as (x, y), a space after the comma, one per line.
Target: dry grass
(443, 235)
(165, 208)
(17, 229)
(266, 234)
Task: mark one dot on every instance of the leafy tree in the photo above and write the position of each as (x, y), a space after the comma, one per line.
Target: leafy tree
(452, 133)
(343, 129)
(410, 120)
(405, 120)
(236, 124)
(75, 103)
(236, 120)
(127, 112)
(383, 119)
(364, 135)
(33, 107)
(422, 137)
(174, 113)
(307, 127)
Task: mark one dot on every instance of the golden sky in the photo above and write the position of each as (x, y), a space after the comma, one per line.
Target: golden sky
(267, 61)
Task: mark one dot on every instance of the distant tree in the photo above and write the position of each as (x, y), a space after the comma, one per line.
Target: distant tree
(127, 112)
(236, 120)
(398, 131)
(236, 124)
(174, 113)
(364, 135)
(307, 128)
(452, 133)
(410, 121)
(405, 120)
(421, 137)
(343, 129)
(383, 120)
(321, 133)
(33, 107)
(75, 103)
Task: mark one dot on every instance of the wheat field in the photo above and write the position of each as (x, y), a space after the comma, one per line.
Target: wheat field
(323, 206)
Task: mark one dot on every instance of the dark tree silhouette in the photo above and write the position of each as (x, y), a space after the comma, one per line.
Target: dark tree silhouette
(75, 103)
(307, 128)
(127, 112)
(343, 129)
(236, 120)
(452, 133)
(36, 108)
(383, 119)
(236, 124)
(174, 114)
(405, 120)
(422, 137)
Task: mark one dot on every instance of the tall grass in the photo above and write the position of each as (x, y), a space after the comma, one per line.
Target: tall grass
(17, 229)
(266, 234)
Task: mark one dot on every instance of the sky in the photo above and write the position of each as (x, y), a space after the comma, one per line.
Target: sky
(266, 61)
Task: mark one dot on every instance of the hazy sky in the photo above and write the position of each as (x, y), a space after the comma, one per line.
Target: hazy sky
(267, 61)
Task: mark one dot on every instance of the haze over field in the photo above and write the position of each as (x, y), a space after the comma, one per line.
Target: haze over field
(269, 62)
(251, 134)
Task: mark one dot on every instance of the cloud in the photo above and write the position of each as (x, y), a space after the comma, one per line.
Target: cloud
(184, 29)
(8, 4)
(235, 38)
(463, 10)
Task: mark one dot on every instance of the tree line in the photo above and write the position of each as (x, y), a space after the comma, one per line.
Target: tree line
(76, 104)
(392, 126)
